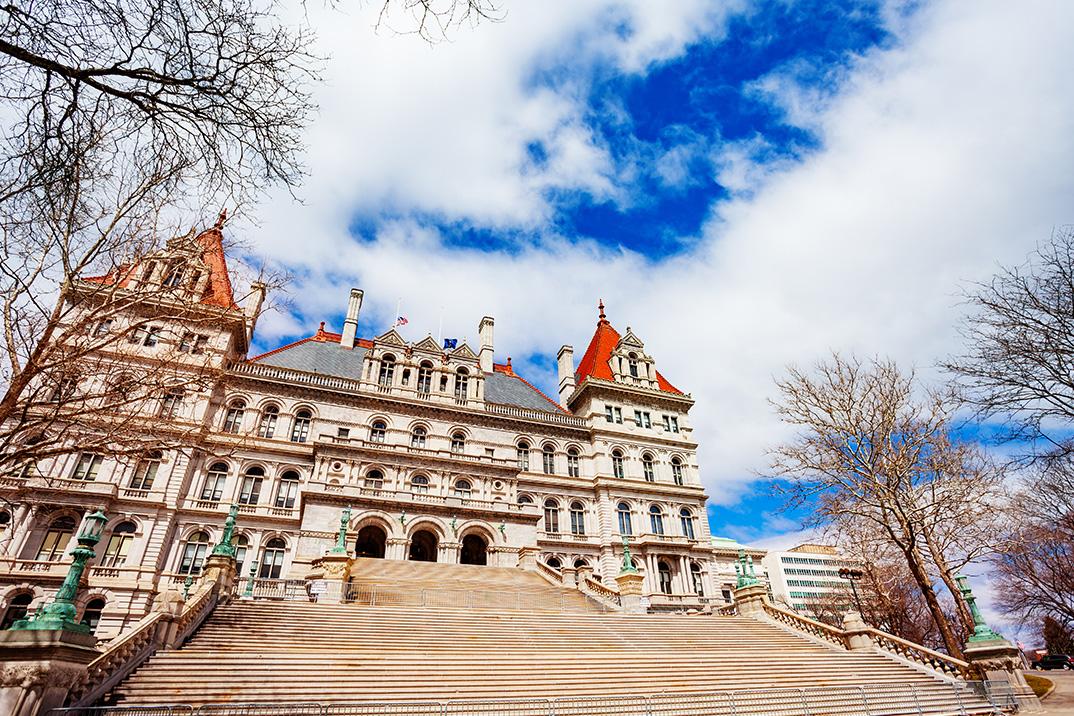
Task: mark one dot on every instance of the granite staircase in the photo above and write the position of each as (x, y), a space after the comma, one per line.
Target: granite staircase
(279, 652)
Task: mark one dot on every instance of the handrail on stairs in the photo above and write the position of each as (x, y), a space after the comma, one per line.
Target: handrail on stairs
(157, 630)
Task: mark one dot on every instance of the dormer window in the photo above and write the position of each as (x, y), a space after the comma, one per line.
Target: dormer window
(632, 365)
(425, 378)
(174, 277)
(387, 371)
(462, 385)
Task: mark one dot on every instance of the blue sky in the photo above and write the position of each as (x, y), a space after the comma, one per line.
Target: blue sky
(747, 185)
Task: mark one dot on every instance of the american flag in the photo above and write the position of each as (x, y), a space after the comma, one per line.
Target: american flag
(401, 321)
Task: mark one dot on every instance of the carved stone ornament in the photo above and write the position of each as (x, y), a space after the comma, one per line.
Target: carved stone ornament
(29, 675)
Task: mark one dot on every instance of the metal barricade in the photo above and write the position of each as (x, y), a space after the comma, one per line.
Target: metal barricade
(302, 709)
(513, 707)
(409, 708)
(687, 704)
(166, 710)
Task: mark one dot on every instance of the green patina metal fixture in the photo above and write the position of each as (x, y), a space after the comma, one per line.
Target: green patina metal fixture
(747, 577)
(224, 547)
(402, 518)
(186, 587)
(250, 582)
(981, 631)
(454, 526)
(61, 612)
(503, 530)
(628, 561)
(341, 538)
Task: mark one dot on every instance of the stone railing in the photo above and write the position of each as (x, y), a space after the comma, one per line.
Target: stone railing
(727, 610)
(154, 631)
(889, 643)
(550, 573)
(818, 630)
(601, 591)
(514, 411)
(921, 654)
(289, 375)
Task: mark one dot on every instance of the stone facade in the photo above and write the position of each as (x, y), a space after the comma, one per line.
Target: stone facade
(441, 453)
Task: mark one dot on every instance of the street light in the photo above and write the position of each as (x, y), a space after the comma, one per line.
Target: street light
(852, 576)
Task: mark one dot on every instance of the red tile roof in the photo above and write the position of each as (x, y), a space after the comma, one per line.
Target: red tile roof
(218, 291)
(595, 360)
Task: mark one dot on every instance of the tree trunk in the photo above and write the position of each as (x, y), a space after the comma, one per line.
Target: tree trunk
(917, 569)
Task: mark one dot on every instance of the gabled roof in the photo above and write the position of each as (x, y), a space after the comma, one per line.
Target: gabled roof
(218, 291)
(322, 353)
(596, 359)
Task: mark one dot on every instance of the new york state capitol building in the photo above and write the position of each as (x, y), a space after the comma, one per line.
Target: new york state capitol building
(442, 455)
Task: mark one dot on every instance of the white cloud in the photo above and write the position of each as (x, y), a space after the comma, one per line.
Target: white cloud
(940, 157)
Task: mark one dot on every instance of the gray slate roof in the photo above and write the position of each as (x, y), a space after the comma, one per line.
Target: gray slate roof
(332, 359)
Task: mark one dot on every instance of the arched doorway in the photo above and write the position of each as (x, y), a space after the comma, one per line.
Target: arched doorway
(474, 550)
(423, 547)
(371, 542)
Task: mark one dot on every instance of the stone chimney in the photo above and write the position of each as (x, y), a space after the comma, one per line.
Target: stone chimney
(350, 323)
(484, 332)
(565, 359)
(252, 308)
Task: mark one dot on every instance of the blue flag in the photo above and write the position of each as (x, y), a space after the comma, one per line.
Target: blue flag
(451, 343)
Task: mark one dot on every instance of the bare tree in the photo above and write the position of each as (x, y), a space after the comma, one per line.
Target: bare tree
(1019, 333)
(432, 20)
(870, 453)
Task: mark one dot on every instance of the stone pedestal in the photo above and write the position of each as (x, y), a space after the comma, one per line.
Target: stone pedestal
(527, 558)
(997, 660)
(39, 668)
(220, 568)
(570, 576)
(856, 633)
(630, 592)
(328, 579)
(749, 600)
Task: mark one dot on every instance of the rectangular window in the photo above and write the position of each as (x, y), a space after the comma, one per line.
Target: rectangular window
(200, 344)
(344, 433)
(144, 474)
(609, 413)
(214, 487)
(637, 418)
(618, 416)
(251, 491)
(170, 403)
(674, 424)
(151, 336)
(647, 421)
(105, 327)
(193, 343)
(572, 465)
(87, 467)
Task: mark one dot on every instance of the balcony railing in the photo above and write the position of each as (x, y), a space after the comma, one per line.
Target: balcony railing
(405, 497)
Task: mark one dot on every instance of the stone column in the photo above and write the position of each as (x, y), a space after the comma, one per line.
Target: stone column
(630, 592)
(570, 576)
(527, 558)
(396, 548)
(749, 600)
(449, 552)
(39, 669)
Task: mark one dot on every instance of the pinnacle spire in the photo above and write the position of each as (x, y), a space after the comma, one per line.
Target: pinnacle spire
(600, 306)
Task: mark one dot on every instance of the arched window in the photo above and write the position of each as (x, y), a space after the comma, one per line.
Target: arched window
(554, 563)
(676, 470)
(572, 463)
(378, 431)
(623, 512)
(462, 385)
(524, 499)
(119, 544)
(632, 364)
(300, 430)
(193, 555)
(617, 464)
(458, 442)
(419, 484)
(387, 371)
(463, 488)
(56, 539)
(17, 607)
(288, 489)
(374, 480)
(581, 564)
(663, 570)
(551, 516)
(91, 615)
(250, 491)
(425, 378)
(577, 518)
(522, 453)
(548, 458)
(242, 545)
(656, 520)
(234, 415)
(647, 467)
(272, 559)
(266, 427)
(213, 489)
(686, 517)
(695, 578)
(146, 471)
(417, 438)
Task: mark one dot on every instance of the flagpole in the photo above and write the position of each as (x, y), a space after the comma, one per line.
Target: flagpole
(440, 329)
(398, 307)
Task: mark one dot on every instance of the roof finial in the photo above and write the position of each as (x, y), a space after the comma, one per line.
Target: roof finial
(601, 307)
(510, 370)
(320, 330)
(221, 219)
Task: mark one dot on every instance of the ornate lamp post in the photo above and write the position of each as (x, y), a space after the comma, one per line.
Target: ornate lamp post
(628, 560)
(747, 577)
(224, 547)
(852, 576)
(61, 612)
(981, 631)
(341, 538)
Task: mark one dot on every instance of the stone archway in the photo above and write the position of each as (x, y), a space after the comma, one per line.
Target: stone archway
(423, 546)
(372, 541)
(474, 550)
